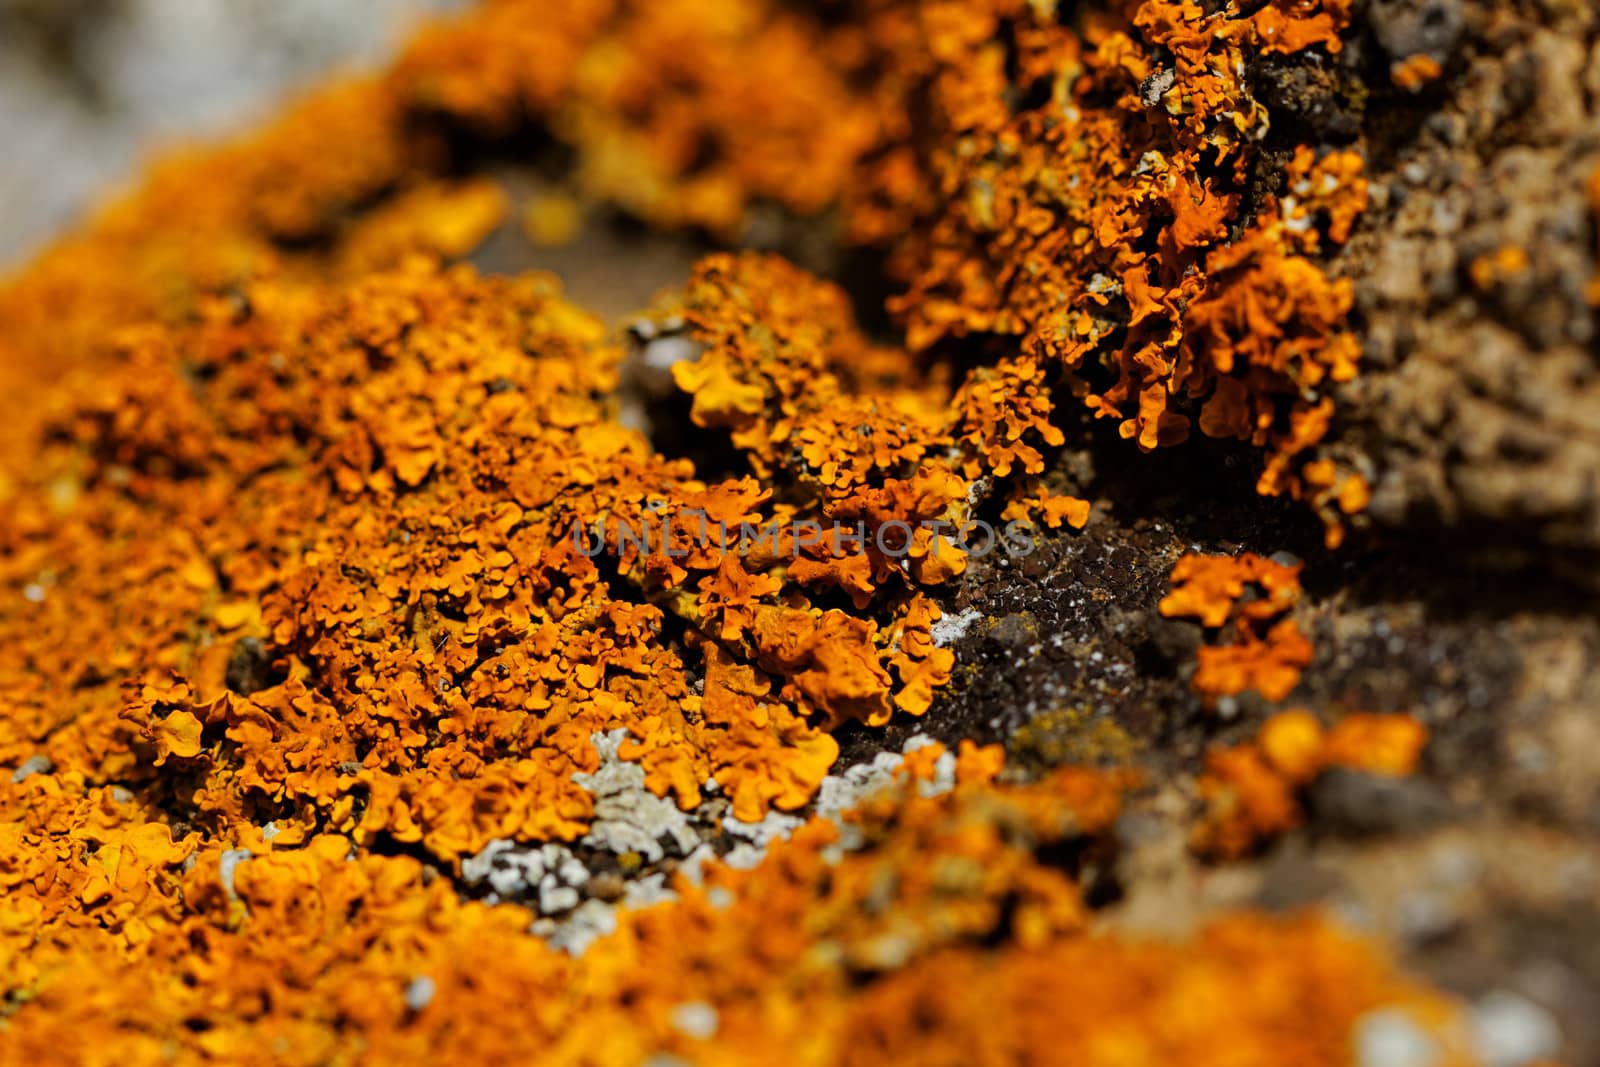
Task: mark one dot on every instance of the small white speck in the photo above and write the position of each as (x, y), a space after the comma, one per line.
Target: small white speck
(663, 352)
(33, 593)
(419, 992)
(1512, 1031)
(695, 1019)
(1391, 1038)
(227, 864)
(31, 766)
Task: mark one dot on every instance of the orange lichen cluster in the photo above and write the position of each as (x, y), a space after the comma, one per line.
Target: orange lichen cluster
(1075, 189)
(1504, 264)
(1415, 72)
(1092, 207)
(327, 565)
(1245, 601)
(1252, 791)
(682, 112)
(383, 486)
(854, 430)
(144, 946)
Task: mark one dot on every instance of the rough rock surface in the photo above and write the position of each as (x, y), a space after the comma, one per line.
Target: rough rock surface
(1479, 406)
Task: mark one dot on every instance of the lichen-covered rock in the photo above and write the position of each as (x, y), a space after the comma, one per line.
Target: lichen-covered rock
(350, 621)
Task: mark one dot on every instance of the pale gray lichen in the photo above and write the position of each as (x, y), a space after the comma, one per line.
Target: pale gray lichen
(419, 992)
(775, 825)
(691, 867)
(627, 816)
(550, 876)
(31, 766)
(754, 837)
(228, 866)
(662, 353)
(1391, 1038)
(694, 1019)
(1511, 1031)
(842, 792)
(951, 628)
(744, 857)
(648, 890)
(575, 932)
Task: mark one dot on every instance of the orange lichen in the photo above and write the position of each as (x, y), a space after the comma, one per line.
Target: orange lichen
(1054, 509)
(1030, 234)
(1295, 25)
(552, 220)
(1490, 271)
(447, 218)
(1252, 791)
(329, 565)
(1246, 599)
(669, 116)
(1102, 223)
(1415, 72)
(321, 952)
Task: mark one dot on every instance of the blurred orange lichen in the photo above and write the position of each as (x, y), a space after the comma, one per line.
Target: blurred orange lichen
(1414, 72)
(552, 220)
(1505, 263)
(1252, 791)
(322, 952)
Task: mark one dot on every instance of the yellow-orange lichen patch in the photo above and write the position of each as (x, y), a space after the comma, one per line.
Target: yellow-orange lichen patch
(377, 492)
(1103, 223)
(1415, 72)
(1289, 26)
(1488, 272)
(1252, 791)
(322, 952)
(683, 113)
(1246, 599)
(885, 458)
(448, 219)
(551, 220)
(325, 566)
(1012, 210)
(387, 477)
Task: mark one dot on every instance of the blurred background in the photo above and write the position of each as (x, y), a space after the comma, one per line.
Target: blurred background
(88, 88)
